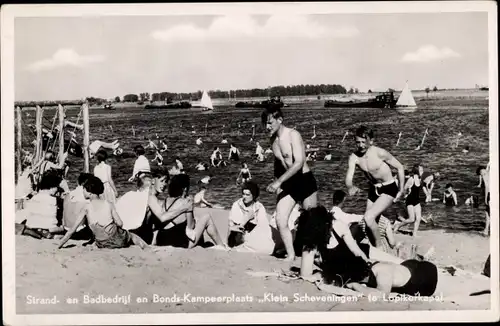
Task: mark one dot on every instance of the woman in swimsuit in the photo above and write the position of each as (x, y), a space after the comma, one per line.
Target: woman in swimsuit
(244, 174)
(450, 196)
(234, 153)
(346, 262)
(102, 219)
(184, 230)
(103, 172)
(412, 189)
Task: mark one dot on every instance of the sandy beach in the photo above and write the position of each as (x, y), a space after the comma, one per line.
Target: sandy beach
(172, 279)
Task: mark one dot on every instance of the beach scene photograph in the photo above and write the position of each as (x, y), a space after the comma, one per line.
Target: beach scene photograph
(224, 160)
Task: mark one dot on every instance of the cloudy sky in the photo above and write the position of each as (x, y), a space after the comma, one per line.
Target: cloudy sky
(75, 57)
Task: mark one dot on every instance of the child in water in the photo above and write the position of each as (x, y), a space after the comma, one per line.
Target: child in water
(103, 220)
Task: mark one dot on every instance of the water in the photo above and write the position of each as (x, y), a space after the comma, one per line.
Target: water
(444, 118)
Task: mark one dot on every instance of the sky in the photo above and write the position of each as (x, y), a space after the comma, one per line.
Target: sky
(65, 58)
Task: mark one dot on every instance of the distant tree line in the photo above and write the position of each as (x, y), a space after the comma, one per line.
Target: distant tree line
(295, 90)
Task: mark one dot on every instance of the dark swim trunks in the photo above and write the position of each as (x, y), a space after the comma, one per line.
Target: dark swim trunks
(423, 280)
(300, 186)
(375, 192)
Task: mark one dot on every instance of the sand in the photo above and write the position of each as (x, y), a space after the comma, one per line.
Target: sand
(69, 274)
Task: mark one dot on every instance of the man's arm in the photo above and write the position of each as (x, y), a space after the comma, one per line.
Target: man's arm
(115, 216)
(350, 173)
(455, 198)
(299, 157)
(171, 213)
(408, 185)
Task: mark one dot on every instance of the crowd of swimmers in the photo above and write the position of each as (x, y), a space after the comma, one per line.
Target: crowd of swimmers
(353, 247)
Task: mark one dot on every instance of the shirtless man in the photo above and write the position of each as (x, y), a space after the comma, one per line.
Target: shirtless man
(376, 163)
(293, 178)
(484, 179)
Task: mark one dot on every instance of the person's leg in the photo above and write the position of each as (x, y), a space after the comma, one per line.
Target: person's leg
(307, 262)
(411, 218)
(137, 240)
(427, 194)
(283, 210)
(379, 206)
(487, 226)
(418, 217)
(205, 223)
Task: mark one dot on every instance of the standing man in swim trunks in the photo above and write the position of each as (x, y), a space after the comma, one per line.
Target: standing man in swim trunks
(376, 163)
(294, 181)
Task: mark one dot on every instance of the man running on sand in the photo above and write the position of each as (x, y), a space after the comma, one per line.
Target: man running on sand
(376, 163)
(292, 175)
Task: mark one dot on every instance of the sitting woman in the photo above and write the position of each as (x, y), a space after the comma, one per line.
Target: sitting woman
(345, 262)
(183, 230)
(102, 219)
(40, 212)
(249, 228)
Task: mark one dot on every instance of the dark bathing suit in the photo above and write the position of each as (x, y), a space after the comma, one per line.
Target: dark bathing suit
(448, 199)
(176, 235)
(423, 279)
(390, 189)
(300, 186)
(245, 175)
(413, 198)
(340, 264)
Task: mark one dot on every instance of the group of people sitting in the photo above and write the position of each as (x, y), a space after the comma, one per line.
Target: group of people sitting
(339, 238)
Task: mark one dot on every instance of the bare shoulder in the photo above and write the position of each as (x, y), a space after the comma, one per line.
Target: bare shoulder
(353, 159)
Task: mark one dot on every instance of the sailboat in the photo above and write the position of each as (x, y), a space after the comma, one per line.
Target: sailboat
(205, 103)
(406, 102)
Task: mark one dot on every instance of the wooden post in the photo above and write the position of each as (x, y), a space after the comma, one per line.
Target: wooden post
(85, 109)
(61, 133)
(38, 151)
(19, 141)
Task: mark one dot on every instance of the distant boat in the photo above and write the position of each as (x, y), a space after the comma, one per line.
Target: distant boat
(382, 101)
(176, 105)
(109, 106)
(406, 101)
(261, 104)
(205, 103)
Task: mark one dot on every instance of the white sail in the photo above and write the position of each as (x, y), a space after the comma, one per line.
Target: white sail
(406, 98)
(206, 101)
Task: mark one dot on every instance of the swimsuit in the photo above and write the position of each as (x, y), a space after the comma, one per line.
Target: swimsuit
(300, 186)
(234, 156)
(110, 236)
(176, 235)
(413, 198)
(423, 280)
(389, 188)
(448, 199)
(340, 265)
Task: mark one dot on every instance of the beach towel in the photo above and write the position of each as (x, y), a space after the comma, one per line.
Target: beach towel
(132, 208)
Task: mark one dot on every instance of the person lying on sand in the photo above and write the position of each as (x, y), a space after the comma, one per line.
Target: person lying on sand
(40, 212)
(184, 230)
(249, 229)
(102, 219)
(345, 262)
